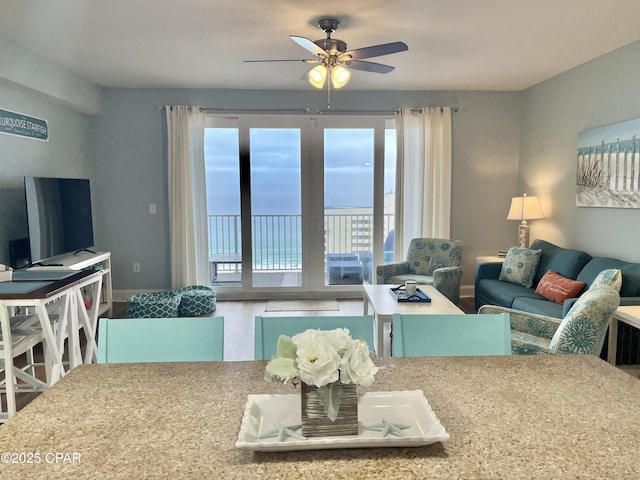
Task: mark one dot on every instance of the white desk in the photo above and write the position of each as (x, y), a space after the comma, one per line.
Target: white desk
(61, 311)
(385, 305)
(629, 314)
(83, 261)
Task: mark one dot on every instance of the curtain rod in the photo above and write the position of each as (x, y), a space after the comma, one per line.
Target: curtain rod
(309, 111)
(317, 111)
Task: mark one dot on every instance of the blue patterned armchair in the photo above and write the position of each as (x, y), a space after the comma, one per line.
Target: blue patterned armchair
(582, 330)
(430, 261)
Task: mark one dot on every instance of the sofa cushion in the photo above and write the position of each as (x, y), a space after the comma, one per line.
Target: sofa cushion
(565, 261)
(520, 266)
(630, 274)
(497, 292)
(540, 306)
(557, 288)
(527, 344)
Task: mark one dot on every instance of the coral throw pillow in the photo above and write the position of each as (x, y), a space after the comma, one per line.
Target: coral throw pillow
(557, 288)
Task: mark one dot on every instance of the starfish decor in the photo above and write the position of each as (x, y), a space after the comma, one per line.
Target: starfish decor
(389, 428)
(283, 432)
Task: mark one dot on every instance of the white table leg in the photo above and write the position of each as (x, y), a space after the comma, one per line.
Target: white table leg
(382, 319)
(75, 353)
(53, 357)
(378, 325)
(89, 319)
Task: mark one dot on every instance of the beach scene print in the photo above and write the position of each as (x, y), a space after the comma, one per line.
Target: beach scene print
(608, 168)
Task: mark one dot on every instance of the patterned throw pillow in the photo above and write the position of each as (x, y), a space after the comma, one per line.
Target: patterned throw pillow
(557, 288)
(520, 266)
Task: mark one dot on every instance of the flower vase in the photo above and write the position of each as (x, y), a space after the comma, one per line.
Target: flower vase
(315, 422)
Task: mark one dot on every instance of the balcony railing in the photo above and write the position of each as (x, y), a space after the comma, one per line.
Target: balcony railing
(277, 239)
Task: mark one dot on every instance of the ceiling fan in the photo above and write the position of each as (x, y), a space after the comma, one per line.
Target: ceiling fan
(332, 59)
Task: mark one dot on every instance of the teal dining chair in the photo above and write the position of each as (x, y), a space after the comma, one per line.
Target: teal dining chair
(269, 329)
(451, 335)
(142, 340)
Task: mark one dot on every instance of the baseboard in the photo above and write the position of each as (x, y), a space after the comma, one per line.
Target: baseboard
(467, 290)
(123, 295)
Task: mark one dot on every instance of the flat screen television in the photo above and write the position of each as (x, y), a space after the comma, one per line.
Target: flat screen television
(58, 215)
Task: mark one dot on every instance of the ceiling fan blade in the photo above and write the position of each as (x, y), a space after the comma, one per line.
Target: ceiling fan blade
(374, 51)
(280, 60)
(309, 45)
(369, 66)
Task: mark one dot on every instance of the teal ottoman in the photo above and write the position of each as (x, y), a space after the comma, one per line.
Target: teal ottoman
(196, 300)
(153, 305)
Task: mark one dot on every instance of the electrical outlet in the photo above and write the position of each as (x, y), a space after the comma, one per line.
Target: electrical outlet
(152, 209)
(136, 267)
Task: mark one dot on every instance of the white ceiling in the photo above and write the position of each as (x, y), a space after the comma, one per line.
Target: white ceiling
(453, 44)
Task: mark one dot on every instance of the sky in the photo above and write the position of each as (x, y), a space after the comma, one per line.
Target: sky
(275, 160)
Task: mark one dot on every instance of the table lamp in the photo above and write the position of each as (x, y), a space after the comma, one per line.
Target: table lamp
(524, 208)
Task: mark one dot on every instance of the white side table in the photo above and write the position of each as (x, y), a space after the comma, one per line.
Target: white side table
(489, 259)
(629, 314)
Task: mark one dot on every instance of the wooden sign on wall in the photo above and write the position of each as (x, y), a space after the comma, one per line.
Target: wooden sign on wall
(13, 123)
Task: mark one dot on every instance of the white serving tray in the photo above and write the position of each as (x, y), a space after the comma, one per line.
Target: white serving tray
(407, 407)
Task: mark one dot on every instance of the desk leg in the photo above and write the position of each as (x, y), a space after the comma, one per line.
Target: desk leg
(73, 347)
(53, 354)
(613, 341)
(89, 319)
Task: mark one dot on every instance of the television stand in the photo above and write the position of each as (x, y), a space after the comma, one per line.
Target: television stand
(87, 260)
(84, 250)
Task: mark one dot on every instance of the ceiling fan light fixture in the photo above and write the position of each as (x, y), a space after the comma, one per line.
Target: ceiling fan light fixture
(317, 76)
(339, 76)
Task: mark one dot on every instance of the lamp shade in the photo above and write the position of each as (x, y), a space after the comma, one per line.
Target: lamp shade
(525, 208)
(339, 76)
(317, 76)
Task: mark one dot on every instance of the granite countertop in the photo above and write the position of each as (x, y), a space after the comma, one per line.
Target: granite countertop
(508, 417)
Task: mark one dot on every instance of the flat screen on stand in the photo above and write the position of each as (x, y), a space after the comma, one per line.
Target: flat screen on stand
(58, 215)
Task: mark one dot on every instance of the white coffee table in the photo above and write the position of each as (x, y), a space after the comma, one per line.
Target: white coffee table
(384, 305)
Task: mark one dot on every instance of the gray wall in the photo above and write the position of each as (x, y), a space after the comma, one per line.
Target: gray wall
(129, 164)
(67, 153)
(505, 143)
(600, 92)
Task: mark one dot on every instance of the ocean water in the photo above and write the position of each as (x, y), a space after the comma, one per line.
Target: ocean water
(276, 242)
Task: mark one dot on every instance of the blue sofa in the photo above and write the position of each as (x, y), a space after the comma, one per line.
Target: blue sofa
(570, 263)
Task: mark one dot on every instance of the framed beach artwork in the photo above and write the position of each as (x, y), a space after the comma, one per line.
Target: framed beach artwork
(608, 168)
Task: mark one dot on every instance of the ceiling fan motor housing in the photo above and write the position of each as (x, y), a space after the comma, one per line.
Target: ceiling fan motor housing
(329, 25)
(332, 46)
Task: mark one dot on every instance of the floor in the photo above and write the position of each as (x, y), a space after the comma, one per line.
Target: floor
(239, 322)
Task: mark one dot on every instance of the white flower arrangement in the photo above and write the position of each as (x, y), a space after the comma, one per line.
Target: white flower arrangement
(322, 358)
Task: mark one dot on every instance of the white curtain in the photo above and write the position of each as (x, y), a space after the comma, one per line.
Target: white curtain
(423, 175)
(187, 196)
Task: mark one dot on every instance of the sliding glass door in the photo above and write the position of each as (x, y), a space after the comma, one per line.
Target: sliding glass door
(297, 204)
